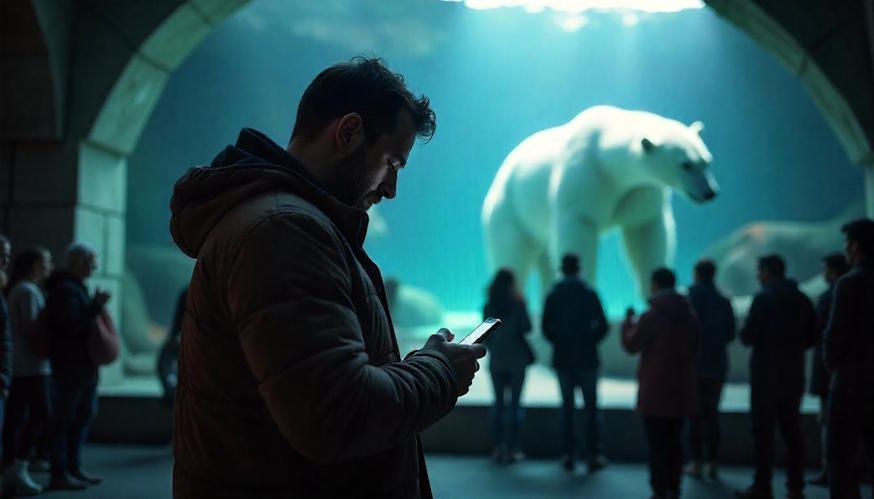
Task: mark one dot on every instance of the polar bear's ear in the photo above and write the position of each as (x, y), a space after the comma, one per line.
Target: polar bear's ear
(648, 145)
(697, 127)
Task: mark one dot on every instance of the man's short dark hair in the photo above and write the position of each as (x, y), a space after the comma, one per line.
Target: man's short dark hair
(570, 264)
(774, 264)
(705, 270)
(837, 263)
(861, 231)
(664, 278)
(367, 87)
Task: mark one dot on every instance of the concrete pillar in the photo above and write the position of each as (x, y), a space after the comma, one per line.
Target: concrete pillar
(57, 192)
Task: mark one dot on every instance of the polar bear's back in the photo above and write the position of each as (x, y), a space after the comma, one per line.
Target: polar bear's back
(522, 181)
(527, 181)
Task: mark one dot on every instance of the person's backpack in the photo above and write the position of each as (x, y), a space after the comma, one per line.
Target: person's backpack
(38, 335)
(103, 343)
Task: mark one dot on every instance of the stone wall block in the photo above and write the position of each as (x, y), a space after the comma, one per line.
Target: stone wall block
(44, 173)
(115, 245)
(102, 178)
(47, 226)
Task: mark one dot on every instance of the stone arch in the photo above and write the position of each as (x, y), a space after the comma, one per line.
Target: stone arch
(133, 95)
(841, 91)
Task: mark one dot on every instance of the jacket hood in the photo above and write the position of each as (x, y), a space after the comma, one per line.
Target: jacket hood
(253, 166)
(671, 304)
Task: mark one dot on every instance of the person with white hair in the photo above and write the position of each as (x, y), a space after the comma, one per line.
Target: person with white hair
(71, 315)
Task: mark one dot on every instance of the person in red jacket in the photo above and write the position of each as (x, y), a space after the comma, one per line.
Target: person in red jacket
(666, 336)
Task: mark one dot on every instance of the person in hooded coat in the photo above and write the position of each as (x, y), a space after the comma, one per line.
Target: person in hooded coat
(290, 381)
(780, 326)
(717, 331)
(848, 353)
(834, 266)
(666, 336)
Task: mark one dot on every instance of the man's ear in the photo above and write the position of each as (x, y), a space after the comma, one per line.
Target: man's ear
(648, 145)
(349, 134)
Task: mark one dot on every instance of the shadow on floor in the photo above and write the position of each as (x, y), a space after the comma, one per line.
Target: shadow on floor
(146, 473)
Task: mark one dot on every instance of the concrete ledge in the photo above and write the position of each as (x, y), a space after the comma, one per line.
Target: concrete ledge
(466, 430)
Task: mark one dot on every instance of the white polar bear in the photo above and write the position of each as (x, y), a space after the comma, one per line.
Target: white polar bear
(562, 187)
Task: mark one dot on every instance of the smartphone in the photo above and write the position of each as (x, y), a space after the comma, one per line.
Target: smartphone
(481, 332)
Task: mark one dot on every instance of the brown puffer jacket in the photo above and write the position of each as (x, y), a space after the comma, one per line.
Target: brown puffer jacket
(290, 380)
(667, 338)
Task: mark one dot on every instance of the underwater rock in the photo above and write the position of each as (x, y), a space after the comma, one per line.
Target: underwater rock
(141, 338)
(802, 244)
(135, 317)
(561, 188)
(162, 272)
(411, 306)
(152, 281)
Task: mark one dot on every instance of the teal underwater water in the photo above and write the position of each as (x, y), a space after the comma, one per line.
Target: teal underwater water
(495, 77)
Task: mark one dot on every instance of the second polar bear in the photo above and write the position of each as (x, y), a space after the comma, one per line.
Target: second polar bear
(560, 188)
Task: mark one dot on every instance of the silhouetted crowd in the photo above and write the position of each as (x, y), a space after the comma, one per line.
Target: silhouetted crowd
(54, 338)
(682, 344)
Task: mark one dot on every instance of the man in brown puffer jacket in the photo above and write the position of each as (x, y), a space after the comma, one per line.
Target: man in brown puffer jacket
(290, 379)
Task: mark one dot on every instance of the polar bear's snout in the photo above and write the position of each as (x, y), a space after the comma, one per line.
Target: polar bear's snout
(700, 186)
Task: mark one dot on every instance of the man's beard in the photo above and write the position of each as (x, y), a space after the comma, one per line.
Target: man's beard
(351, 185)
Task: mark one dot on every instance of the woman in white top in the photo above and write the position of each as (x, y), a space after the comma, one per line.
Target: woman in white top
(28, 406)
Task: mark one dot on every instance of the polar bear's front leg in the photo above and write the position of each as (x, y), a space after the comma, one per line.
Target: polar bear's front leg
(650, 245)
(573, 234)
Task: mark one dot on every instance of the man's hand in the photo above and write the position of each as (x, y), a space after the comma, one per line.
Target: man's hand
(101, 297)
(462, 357)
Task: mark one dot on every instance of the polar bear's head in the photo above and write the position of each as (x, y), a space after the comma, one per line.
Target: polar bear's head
(679, 159)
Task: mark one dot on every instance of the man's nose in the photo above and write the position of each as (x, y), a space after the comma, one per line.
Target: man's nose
(390, 186)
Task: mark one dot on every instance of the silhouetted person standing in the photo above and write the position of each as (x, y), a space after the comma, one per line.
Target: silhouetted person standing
(849, 355)
(291, 383)
(574, 322)
(5, 329)
(29, 397)
(717, 331)
(780, 326)
(509, 357)
(667, 338)
(834, 266)
(72, 317)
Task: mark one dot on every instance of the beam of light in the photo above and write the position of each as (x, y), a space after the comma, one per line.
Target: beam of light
(576, 7)
(572, 23)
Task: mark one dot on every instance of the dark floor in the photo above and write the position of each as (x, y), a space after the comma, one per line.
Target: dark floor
(145, 472)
